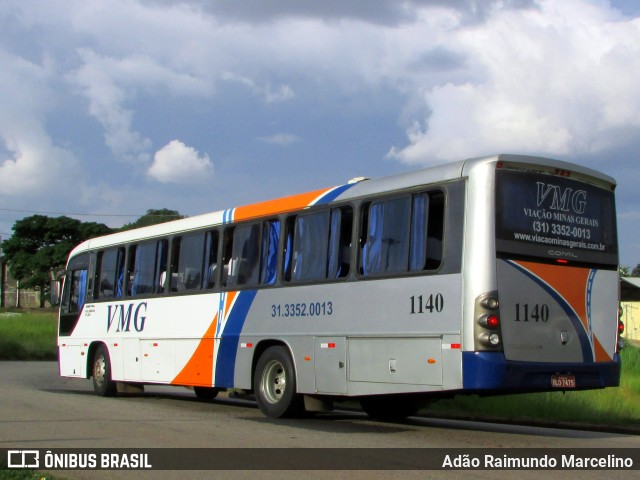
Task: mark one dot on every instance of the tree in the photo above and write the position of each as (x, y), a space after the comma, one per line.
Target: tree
(153, 217)
(41, 244)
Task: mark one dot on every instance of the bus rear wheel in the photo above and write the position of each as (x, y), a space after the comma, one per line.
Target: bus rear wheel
(103, 385)
(206, 393)
(275, 384)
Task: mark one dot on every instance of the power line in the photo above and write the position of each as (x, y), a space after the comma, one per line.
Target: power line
(78, 214)
(88, 214)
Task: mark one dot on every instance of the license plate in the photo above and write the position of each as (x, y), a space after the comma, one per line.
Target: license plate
(563, 381)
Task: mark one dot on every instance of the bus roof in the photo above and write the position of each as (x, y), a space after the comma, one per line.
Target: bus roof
(359, 188)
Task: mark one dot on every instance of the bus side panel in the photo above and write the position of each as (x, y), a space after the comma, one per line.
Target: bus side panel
(371, 336)
(154, 340)
(555, 313)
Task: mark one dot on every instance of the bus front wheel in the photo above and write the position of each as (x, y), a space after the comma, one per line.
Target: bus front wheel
(275, 384)
(103, 385)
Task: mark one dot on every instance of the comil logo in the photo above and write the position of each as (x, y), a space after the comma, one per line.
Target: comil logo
(23, 459)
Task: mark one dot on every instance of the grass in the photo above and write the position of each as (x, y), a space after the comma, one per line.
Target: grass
(28, 335)
(612, 407)
(25, 475)
(31, 335)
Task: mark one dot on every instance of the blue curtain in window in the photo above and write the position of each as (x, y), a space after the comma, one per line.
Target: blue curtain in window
(144, 269)
(372, 251)
(82, 288)
(334, 265)
(271, 236)
(310, 247)
(419, 221)
(161, 262)
(119, 274)
(289, 252)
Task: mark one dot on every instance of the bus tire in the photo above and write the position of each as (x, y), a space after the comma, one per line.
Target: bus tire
(275, 384)
(103, 385)
(390, 407)
(206, 393)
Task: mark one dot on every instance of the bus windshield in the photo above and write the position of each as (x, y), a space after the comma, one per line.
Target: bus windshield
(555, 217)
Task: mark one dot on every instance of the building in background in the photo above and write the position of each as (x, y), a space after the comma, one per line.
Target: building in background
(11, 295)
(630, 303)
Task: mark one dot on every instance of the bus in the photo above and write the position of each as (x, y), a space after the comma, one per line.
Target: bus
(491, 275)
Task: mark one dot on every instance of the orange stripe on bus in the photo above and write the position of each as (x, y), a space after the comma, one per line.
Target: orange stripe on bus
(199, 368)
(569, 282)
(228, 302)
(600, 353)
(279, 205)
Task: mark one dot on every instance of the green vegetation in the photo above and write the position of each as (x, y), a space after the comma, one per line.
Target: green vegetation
(25, 475)
(6, 474)
(28, 335)
(619, 407)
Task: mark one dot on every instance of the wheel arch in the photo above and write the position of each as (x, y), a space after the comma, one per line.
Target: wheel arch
(91, 353)
(262, 346)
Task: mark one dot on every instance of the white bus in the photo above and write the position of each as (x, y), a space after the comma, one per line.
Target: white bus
(490, 275)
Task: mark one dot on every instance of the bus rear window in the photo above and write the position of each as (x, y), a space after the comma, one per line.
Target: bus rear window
(555, 218)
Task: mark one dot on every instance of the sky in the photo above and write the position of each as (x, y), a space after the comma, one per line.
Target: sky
(109, 108)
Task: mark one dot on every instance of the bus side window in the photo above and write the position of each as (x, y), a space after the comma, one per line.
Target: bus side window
(160, 276)
(402, 234)
(310, 247)
(190, 262)
(339, 261)
(269, 252)
(227, 260)
(78, 290)
(318, 245)
(109, 273)
(145, 263)
(244, 266)
(385, 237)
(211, 260)
(435, 231)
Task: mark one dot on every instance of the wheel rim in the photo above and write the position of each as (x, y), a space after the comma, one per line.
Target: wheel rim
(99, 370)
(274, 381)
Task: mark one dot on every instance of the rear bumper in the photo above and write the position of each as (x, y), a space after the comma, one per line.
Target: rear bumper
(491, 371)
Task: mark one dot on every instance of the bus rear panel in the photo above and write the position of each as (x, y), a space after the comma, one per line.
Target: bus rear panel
(557, 283)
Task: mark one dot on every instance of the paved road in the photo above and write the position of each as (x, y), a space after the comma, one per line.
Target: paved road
(38, 409)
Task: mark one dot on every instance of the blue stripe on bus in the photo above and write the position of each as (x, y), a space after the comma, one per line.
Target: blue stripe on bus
(491, 371)
(227, 216)
(228, 349)
(578, 326)
(333, 194)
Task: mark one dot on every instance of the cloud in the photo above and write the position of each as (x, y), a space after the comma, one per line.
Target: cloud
(282, 139)
(269, 93)
(31, 165)
(111, 84)
(559, 80)
(178, 163)
(380, 12)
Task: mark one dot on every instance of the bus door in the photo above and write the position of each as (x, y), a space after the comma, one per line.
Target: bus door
(74, 293)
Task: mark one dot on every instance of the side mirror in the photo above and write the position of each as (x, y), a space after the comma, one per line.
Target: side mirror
(54, 293)
(55, 288)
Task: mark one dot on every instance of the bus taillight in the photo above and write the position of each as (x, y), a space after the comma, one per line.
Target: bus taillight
(491, 321)
(487, 330)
